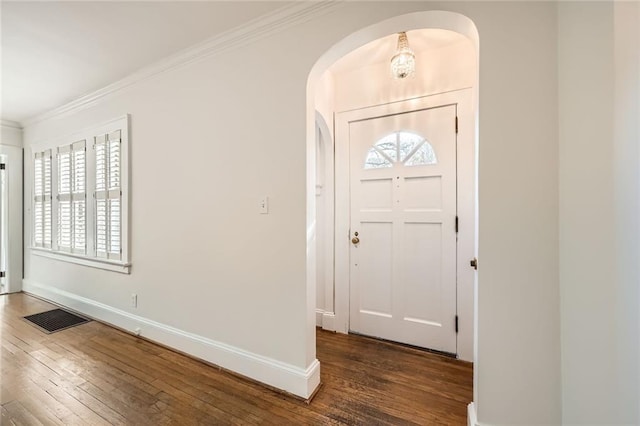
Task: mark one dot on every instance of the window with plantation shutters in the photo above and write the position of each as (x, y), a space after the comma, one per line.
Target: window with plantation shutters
(72, 195)
(108, 195)
(80, 197)
(42, 199)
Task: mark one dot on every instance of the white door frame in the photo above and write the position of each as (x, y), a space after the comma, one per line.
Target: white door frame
(4, 208)
(324, 222)
(466, 200)
(13, 201)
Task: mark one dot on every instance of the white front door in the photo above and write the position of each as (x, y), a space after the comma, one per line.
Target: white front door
(403, 225)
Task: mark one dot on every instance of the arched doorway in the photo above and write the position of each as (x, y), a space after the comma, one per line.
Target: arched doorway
(336, 316)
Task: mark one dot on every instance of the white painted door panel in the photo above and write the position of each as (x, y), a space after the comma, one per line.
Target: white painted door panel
(403, 207)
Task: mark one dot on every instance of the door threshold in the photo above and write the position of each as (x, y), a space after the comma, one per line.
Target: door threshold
(406, 345)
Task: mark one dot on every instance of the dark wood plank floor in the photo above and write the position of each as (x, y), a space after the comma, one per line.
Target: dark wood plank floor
(96, 375)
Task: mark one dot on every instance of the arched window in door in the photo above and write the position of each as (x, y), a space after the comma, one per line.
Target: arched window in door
(407, 148)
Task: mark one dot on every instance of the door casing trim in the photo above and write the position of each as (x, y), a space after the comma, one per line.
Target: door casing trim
(466, 202)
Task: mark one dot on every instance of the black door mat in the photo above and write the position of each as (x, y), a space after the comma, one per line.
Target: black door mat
(55, 320)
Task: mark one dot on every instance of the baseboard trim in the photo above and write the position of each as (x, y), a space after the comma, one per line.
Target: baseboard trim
(472, 419)
(329, 321)
(326, 320)
(298, 381)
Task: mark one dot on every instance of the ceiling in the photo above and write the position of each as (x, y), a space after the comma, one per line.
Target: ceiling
(54, 52)
(382, 49)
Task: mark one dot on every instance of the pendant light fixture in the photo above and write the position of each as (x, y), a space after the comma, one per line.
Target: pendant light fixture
(403, 63)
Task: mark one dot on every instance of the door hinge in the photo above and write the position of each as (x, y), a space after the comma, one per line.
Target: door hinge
(474, 263)
(456, 124)
(456, 323)
(457, 224)
(2, 166)
(3, 274)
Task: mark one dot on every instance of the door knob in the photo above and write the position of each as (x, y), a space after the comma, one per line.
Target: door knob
(355, 240)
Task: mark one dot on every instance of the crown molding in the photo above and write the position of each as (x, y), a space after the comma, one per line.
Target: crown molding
(260, 27)
(11, 124)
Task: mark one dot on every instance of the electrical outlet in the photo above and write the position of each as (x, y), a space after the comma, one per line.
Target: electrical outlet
(134, 300)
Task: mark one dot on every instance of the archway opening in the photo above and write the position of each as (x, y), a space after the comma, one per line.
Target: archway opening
(353, 76)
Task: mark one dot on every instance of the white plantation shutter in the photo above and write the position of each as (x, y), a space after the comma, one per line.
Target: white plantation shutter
(65, 223)
(72, 198)
(38, 204)
(79, 196)
(42, 216)
(48, 199)
(108, 195)
(64, 198)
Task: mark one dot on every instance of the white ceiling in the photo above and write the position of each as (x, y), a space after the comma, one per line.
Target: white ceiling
(382, 49)
(54, 52)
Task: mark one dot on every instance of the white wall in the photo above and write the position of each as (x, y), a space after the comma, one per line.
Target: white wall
(518, 342)
(11, 134)
(626, 156)
(11, 150)
(599, 192)
(210, 139)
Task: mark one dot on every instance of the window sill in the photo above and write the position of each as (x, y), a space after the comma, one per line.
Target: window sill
(109, 265)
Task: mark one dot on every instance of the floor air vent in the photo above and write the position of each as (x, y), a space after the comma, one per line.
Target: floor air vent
(55, 320)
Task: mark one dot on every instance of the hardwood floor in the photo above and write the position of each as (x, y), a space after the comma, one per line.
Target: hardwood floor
(96, 375)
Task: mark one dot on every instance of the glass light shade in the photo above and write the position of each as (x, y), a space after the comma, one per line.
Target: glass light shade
(403, 63)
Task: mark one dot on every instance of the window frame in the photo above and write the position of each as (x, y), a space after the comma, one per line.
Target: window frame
(393, 160)
(90, 257)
